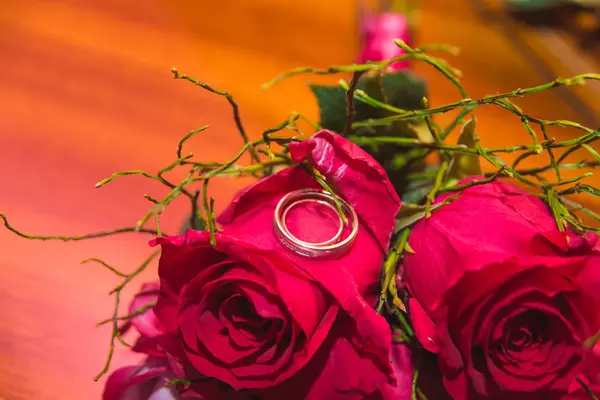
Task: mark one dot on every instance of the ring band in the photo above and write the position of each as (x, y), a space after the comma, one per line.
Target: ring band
(330, 248)
(333, 239)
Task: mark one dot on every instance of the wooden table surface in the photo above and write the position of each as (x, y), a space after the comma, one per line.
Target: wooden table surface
(86, 90)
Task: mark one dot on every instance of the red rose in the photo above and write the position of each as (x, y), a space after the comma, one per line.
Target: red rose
(507, 299)
(267, 322)
(378, 35)
(146, 381)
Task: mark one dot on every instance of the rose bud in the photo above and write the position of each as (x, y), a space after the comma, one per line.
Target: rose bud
(378, 35)
(265, 321)
(146, 381)
(505, 298)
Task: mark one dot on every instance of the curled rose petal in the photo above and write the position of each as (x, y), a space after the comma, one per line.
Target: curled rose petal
(423, 326)
(358, 178)
(146, 323)
(140, 382)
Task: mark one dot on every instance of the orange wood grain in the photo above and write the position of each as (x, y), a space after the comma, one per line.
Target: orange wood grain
(86, 90)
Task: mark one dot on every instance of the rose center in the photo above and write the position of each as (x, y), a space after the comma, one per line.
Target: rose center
(312, 222)
(525, 330)
(244, 317)
(520, 338)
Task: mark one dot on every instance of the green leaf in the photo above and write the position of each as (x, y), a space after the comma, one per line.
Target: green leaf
(200, 224)
(410, 214)
(405, 90)
(332, 105)
(417, 188)
(464, 165)
(400, 89)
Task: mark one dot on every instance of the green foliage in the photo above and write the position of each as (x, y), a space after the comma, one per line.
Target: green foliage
(464, 165)
(332, 106)
(403, 90)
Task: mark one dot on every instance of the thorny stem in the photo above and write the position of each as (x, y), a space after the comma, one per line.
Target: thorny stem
(129, 316)
(490, 99)
(350, 107)
(76, 238)
(371, 66)
(321, 181)
(229, 97)
(414, 384)
(587, 388)
(390, 265)
(442, 66)
(436, 188)
(194, 214)
(472, 183)
(115, 319)
(97, 260)
(210, 214)
(186, 137)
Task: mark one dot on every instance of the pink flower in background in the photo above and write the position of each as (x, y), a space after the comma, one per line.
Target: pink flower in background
(267, 322)
(503, 297)
(378, 35)
(146, 381)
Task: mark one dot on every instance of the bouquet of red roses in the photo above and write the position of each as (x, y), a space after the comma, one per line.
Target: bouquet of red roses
(372, 259)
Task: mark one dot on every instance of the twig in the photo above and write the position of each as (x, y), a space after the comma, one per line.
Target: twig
(229, 97)
(127, 317)
(97, 260)
(76, 238)
(209, 210)
(350, 107)
(115, 319)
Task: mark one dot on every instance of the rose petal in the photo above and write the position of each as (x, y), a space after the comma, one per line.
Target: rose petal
(592, 364)
(358, 178)
(531, 289)
(338, 371)
(297, 290)
(134, 382)
(402, 363)
(146, 323)
(423, 326)
(453, 244)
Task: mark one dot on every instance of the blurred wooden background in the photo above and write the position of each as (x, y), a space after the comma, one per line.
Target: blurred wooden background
(86, 90)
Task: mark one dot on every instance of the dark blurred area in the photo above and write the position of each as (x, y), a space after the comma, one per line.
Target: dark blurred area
(86, 90)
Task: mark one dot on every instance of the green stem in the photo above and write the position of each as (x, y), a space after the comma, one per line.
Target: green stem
(490, 99)
(115, 318)
(210, 214)
(75, 238)
(371, 66)
(97, 260)
(229, 97)
(186, 137)
(439, 64)
(127, 317)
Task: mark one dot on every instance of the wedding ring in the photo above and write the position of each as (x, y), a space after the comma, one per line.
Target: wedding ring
(333, 247)
(333, 239)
